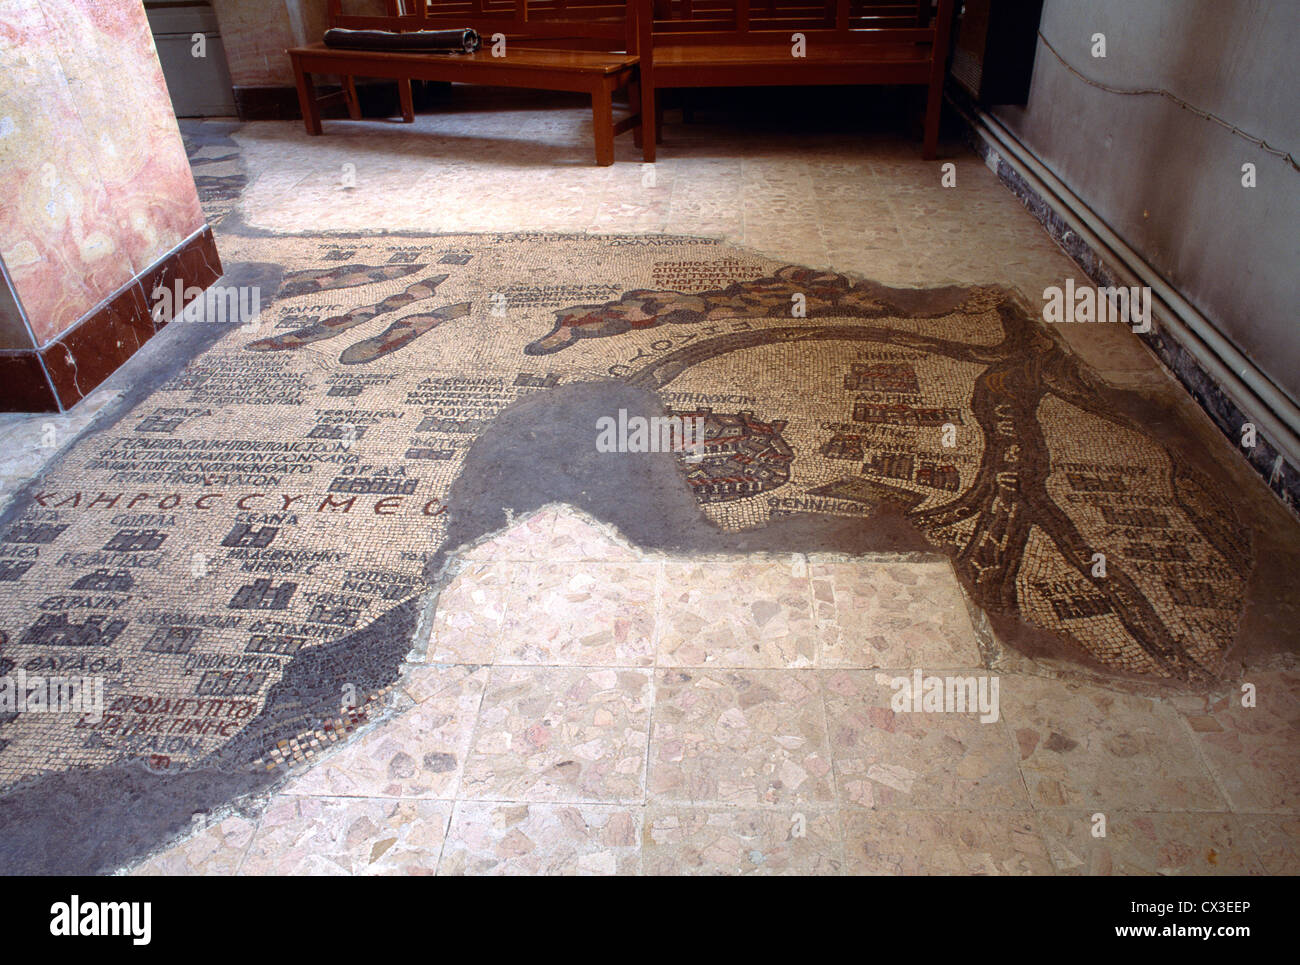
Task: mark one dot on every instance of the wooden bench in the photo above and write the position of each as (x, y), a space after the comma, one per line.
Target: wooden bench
(751, 43)
(583, 46)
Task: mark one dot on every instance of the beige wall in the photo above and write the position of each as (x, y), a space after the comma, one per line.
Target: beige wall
(97, 187)
(1168, 181)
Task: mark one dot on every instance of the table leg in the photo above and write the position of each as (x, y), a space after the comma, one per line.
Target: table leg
(307, 99)
(602, 123)
(350, 97)
(408, 100)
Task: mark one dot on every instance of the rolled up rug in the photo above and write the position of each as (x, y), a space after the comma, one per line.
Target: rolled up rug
(461, 41)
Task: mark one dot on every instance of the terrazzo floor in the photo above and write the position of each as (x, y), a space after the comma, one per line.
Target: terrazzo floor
(573, 703)
(728, 724)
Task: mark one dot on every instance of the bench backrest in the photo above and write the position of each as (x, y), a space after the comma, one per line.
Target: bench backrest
(766, 21)
(579, 24)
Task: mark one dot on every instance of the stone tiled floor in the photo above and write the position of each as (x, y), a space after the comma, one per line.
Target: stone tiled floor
(578, 707)
(864, 203)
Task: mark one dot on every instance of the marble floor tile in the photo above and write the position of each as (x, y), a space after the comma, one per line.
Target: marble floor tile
(1155, 843)
(895, 266)
(215, 850)
(470, 613)
(542, 839)
(596, 615)
(348, 836)
(575, 537)
(681, 840)
(889, 759)
(1276, 841)
(740, 737)
(561, 734)
(735, 614)
(525, 539)
(1087, 747)
(1113, 350)
(1253, 752)
(943, 843)
(903, 615)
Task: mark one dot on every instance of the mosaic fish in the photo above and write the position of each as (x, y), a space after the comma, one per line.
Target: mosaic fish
(338, 324)
(315, 280)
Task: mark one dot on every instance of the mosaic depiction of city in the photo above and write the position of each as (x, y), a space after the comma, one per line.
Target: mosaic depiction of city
(190, 563)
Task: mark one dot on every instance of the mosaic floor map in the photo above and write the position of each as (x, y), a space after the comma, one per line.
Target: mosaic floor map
(286, 491)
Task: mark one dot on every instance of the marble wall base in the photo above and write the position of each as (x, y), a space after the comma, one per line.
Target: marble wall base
(56, 376)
